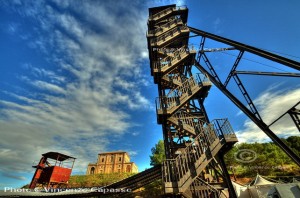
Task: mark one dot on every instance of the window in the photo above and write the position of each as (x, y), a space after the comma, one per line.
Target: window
(92, 170)
(128, 168)
(102, 159)
(120, 159)
(112, 158)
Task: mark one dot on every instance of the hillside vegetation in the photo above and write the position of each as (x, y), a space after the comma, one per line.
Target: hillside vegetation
(78, 181)
(246, 160)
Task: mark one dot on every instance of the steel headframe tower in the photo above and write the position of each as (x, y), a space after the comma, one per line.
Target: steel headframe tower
(194, 146)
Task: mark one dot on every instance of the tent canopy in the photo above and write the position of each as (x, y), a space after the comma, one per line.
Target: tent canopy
(259, 181)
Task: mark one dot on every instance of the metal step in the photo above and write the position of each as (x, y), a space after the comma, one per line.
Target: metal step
(169, 36)
(181, 172)
(175, 22)
(167, 105)
(171, 62)
(167, 13)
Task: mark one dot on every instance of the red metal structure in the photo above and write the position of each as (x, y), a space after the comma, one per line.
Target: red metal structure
(53, 169)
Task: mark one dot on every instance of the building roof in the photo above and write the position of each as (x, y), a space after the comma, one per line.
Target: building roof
(57, 156)
(112, 152)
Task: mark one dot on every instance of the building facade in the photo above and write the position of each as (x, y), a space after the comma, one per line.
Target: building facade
(112, 162)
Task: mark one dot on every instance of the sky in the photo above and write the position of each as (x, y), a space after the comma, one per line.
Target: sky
(75, 76)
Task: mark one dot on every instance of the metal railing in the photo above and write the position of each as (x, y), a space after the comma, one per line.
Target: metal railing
(168, 25)
(208, 191)
(168, 34)
(173, 58)
(176, 78)
(222, 127)
(175, 96)
(166, 11)
(169, 51)
(186, 118)
(175, 169)
(170, 60)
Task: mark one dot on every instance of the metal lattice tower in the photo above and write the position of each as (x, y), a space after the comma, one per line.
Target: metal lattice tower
(194, 146)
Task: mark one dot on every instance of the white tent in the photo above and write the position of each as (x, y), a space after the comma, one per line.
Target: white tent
(241, 191)
(290, 190)
(260, 187)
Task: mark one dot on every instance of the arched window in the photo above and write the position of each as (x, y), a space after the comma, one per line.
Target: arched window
(92, 170)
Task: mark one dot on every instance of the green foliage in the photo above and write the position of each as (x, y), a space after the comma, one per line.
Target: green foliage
(153, 189)
(78, 181)
(269, 159)
(294, 143)
(158, 153)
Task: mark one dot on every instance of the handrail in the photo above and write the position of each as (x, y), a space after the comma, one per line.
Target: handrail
(176, 50)
(166, 25)
(181, 163)
(169, 33)
(161, 12)
(166, 10)
(172, 99)
(194, 150)
(210, 187)
(187, 119)
(170, 60)
(223, 126)
(176, 77)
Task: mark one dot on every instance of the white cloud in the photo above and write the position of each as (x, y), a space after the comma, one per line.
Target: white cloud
(132, 153)
(135, 133)
(77, 105)
(9, 175)
(272, 104)
(48, 86)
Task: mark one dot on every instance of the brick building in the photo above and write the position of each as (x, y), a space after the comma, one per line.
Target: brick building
(112, 162)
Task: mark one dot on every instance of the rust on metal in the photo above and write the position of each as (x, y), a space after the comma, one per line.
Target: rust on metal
(54, 169)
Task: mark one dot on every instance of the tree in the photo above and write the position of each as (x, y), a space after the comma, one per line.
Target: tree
(155, 189)
(158, 153)
(294, 143)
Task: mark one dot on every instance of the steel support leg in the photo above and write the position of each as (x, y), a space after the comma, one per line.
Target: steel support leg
(226, 175)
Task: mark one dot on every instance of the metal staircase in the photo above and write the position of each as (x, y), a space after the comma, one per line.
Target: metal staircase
(165, 27)
(177, 97)
(181, 172)
(164, 13)
(194, 146)
(170, 35)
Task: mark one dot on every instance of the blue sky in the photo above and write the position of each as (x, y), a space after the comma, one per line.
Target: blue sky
(75, 76)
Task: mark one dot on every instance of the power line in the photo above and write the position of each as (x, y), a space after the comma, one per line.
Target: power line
(255, 61)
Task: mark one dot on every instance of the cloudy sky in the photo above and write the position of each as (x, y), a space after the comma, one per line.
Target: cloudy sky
(75, 78)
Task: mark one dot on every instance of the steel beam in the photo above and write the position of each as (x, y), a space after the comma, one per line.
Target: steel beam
(257, 121)
(240, 46)
(295, 114)
(233, 69)
(291, 112)
(226, 175)
(287, 74)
